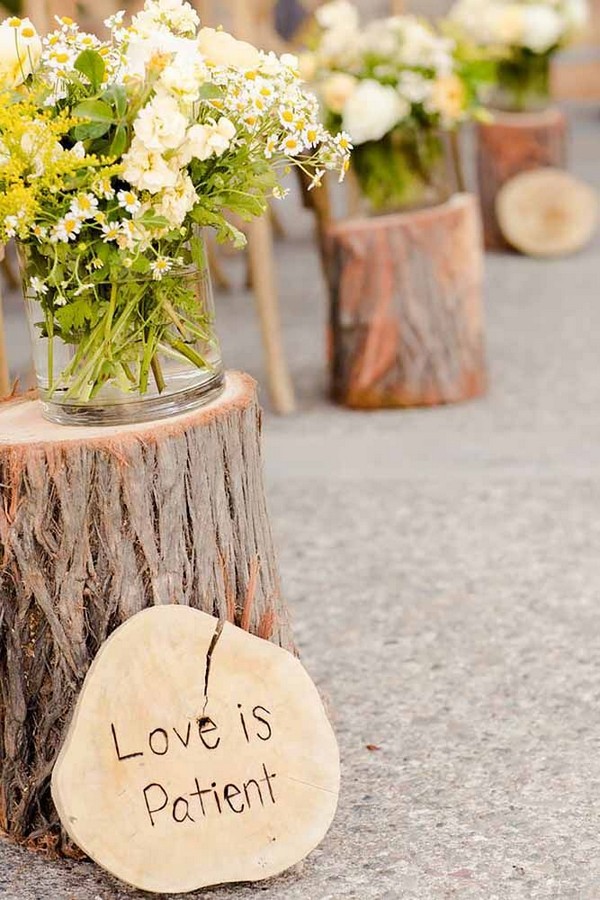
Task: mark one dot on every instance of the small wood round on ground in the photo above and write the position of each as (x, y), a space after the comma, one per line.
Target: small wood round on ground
(406, 312)
(508, 145)
(97, 524)
(547, 212)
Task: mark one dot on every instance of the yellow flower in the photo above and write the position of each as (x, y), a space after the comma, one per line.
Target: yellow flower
(20, 51)
(337, 90)
(221, 49)
(448, 96)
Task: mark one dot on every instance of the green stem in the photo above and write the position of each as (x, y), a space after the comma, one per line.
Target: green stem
(85, 374)
(50, 332)
(187, 351)
(112, 305)
(158, 373)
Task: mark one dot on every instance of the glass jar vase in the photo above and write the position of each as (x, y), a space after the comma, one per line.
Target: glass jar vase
(522, 82)
(127, 348)
(411, 167)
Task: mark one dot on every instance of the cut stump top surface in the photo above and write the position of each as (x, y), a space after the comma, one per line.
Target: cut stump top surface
(22, 422)
(456, 203)
(542, 118)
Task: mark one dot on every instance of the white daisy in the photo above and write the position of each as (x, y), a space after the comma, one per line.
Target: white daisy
(160, 267)
(291, 146)
(85, 206)
(66, 229)
(39, 232)
(37, 286)
(111, 231)
(129, 201)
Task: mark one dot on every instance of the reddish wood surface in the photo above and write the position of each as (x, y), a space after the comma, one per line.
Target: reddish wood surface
(406, 307)
(514, 143)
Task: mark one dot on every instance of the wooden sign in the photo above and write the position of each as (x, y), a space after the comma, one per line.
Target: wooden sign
(198, 754)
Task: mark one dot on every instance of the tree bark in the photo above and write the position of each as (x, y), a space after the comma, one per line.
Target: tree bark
(406, 319)
(97, 524)
(514, 143)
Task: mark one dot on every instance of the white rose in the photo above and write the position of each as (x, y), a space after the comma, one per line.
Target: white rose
(204, 141)
(372, 111)
(506, 24)
(414, 86)
(307, 64)
(338, 14)
(142, 49)
(337, 90)
(147, 170)
(175, 203)
(221, 136)
(221, 49)
(195, 146)
(166, 15)
(542, 27)
(577, 13)
(161, 125)
(184, 77)
(20, 51)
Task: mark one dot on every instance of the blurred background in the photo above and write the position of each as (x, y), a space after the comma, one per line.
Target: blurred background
(442, 564)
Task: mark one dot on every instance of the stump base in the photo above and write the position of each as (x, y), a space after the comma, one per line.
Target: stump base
(406, 319)
(97, 524)
(514, 143)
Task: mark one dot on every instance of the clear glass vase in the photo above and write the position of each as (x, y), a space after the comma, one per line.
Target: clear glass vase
(522, 82)
(410, 168)
(126, 349)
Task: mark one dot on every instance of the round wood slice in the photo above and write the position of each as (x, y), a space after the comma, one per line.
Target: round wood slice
(406, 312)
(510, 144)
(547, 212)
(198, 754)
(98, 523)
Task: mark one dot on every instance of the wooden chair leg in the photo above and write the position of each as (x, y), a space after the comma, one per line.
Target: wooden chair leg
(11, 276)
(4, 373)
(279, 232)
(218, 273)
(42, 13)
(264, 281)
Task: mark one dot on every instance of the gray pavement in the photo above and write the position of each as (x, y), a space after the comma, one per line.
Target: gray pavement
(443, 568)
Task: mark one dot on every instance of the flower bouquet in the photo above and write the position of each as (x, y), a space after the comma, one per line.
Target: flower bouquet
(522, 37)
(399, 90)
(114, 155)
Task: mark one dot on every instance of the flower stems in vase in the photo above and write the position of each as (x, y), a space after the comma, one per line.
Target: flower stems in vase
(114, 155)
(401, 90)
(523, 82)
(409, 168)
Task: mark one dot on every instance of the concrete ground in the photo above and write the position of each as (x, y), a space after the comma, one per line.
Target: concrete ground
(443, 568)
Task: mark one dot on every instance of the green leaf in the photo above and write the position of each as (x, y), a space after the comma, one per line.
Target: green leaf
(141, 265)
(209, 92)
(151, 220)
(116, 95)
(119, 142)
(74, 315)
(197, 252)
(91, 131)
(91, 64)
(95, 111)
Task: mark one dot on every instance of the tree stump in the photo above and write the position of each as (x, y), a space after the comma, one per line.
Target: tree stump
(511, 144)
(406, 318)
(97, 524)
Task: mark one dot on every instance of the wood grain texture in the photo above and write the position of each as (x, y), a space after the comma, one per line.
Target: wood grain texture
(406, 318)
(198, 754)
(511, 144)
(97, 524)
